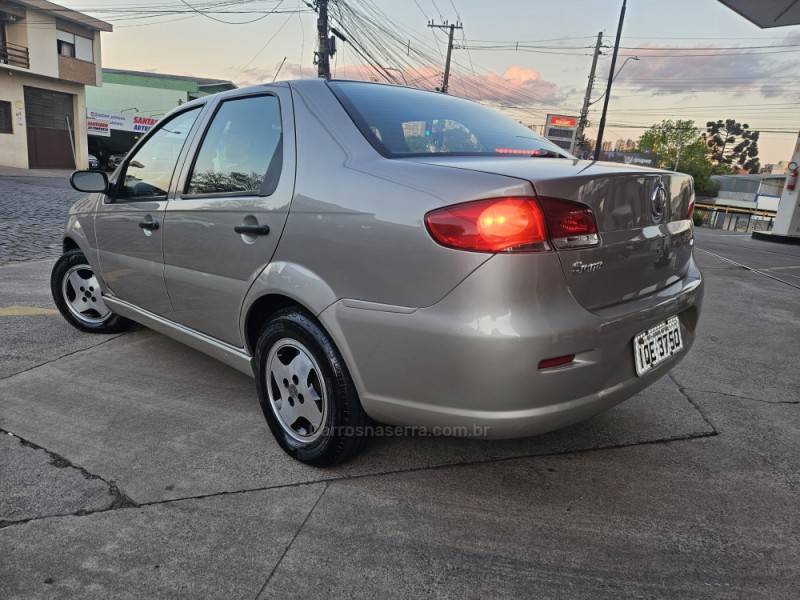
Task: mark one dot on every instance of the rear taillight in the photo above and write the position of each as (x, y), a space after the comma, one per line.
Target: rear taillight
(511, 224)
(514, 224)
(571, 224)
(690, 210)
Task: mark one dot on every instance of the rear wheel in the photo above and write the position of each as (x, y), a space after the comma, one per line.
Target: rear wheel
(78, 297)
(306, 393)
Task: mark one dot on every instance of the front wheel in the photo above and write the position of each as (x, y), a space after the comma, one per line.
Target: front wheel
(306, 393)
(78, 297)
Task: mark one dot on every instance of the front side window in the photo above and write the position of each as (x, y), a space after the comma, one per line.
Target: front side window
(241, 148)
(400, 121)
(149, 171)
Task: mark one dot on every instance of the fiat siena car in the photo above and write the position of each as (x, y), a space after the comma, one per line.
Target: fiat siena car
(378, 254)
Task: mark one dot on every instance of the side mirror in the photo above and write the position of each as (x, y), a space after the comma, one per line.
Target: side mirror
(89, 181)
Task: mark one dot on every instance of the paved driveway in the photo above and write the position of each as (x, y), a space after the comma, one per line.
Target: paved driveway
(133, 467)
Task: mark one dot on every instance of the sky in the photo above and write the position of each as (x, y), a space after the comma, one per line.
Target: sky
(697, 59)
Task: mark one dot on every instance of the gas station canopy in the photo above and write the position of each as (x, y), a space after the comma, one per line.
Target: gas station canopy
(767, 13)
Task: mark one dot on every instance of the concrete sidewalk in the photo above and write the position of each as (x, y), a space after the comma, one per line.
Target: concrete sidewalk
(139, 468)
(45, 173)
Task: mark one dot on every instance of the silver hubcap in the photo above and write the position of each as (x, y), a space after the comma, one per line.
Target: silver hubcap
(82, 294)
(296, 390)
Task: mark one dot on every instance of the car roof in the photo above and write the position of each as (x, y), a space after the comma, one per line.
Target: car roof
(308, 82)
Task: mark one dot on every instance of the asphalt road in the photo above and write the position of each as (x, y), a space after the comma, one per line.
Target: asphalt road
(133, 467)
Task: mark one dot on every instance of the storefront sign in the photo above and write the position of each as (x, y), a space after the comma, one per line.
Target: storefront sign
(143, 124)
(98, 127)
(646, 159)
(121, 121)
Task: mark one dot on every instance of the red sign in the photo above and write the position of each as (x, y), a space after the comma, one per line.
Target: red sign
(562, 121)
(97, 127)
(149, 121)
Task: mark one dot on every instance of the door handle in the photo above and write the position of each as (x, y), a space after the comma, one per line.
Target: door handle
(149, 225)
(252, 229)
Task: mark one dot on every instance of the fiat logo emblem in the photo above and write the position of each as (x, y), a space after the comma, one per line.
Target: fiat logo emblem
(658, 203)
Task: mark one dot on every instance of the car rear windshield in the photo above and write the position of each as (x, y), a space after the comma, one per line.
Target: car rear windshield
(400, 122)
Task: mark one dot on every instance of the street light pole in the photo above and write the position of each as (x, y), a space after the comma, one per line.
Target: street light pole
(599, 145)
(623, 65)
(601, 96)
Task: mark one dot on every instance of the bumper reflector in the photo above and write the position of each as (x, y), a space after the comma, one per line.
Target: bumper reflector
(557, 361)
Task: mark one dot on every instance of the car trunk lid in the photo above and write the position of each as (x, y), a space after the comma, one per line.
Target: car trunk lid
(643, 222)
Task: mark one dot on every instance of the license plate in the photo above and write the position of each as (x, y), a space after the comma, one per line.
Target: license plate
(657, 344)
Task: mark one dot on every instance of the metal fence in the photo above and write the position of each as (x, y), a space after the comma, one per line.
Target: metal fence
(732, 219)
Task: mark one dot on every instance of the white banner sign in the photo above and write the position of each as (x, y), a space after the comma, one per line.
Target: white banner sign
(98, 127)
(119, 122)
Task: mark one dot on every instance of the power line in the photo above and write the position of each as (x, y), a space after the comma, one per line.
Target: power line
(525, 46)
(268, 42)
(218, 20)
(151, 12)
(760, 130)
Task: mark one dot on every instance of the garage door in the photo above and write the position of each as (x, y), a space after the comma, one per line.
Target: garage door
(49, 119)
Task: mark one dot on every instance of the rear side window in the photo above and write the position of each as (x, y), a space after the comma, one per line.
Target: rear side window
(241, 150)
(401, 122)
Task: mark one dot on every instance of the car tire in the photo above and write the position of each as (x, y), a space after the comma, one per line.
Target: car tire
(306, 392)
(76, 293)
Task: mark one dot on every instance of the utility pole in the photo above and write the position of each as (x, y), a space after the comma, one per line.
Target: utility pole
(584, 118)
(599, 145)
(452, 28)
(322, 55)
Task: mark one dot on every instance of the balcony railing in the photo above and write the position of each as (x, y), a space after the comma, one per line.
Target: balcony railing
(15, 54)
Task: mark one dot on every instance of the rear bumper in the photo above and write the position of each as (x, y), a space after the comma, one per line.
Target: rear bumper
(471, 360)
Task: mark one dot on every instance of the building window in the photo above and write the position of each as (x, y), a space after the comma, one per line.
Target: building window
(66, 49)
(75, 46)
(5, 117)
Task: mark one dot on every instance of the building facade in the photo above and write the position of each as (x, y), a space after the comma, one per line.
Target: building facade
(743, 203)
(149, 94)
(48, 55)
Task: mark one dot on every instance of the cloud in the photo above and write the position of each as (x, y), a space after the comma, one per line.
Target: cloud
(708, 68)
(516, 86)
(260, 75)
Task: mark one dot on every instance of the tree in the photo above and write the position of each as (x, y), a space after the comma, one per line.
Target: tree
(667, 140)
(680, 146)
(696, 161)
(733, 144)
